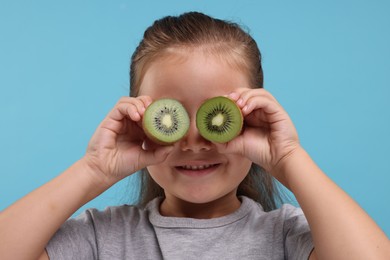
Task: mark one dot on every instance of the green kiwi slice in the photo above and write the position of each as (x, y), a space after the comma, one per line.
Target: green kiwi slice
(219, 119)
(165, 121)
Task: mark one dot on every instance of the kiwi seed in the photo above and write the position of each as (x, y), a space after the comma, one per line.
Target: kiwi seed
(219, 119)
(165, 121)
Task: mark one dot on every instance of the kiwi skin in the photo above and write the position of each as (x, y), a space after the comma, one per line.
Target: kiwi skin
(159, 105)
(234, 110)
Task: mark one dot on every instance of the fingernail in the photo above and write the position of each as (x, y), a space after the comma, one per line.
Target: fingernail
(233, 96)
(137, 115)
(240, 102)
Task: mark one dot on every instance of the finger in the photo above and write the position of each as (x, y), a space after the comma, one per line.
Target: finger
(245, 96)
(235, 146)
(139, 104)
(257, 118)
(149, 145)
(269, 106)
(237, 96)
(129, 110)
(146, 100)
(233, 96)
(120, 117)
(155, 156)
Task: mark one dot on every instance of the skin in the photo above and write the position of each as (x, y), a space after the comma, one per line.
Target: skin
(208, 193)
(340, 228)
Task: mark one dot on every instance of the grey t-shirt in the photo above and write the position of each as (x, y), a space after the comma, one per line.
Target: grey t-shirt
(129, 232)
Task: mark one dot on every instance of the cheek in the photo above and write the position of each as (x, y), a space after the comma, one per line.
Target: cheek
(240, 164)
(159, 174)
(239, 167)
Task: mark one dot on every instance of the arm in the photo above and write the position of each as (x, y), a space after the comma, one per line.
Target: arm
(340, 228)
(114, 152)
(27, 225)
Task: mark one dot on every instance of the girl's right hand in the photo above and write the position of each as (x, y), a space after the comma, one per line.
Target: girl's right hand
(116, 149)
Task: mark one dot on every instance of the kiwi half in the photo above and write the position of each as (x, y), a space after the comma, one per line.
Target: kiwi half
(219, 119)
(165, 121)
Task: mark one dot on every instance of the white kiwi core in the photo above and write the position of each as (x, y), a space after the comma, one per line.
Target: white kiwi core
(167, 120)
(217, 120)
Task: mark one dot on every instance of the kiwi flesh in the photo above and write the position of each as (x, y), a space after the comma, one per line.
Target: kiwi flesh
(165, 121)
(219, 119)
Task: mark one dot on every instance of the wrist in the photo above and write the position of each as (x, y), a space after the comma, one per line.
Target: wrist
(286, 165)
(94, 175)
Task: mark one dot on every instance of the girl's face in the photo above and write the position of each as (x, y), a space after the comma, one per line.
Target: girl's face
(194, 172)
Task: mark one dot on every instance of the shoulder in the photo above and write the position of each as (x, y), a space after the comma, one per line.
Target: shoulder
(96, 232)
(284, 211)
(123, 215)
(285, 217)
(114, 212)
(287, 225)
(102, 225)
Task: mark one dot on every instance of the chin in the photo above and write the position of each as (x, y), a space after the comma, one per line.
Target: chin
(202, 196)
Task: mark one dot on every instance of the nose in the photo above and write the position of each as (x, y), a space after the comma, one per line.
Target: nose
(193, 141)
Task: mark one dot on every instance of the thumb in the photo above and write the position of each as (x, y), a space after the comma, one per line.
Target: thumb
(235, 146)
(155, 156)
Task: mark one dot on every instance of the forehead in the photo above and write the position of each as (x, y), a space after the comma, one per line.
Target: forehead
(192, 75)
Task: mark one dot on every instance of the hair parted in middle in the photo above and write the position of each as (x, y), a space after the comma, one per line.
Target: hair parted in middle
(225, 40)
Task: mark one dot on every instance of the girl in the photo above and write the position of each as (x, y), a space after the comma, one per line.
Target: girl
(199, 200)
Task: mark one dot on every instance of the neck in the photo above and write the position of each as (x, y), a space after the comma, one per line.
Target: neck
(175, 207)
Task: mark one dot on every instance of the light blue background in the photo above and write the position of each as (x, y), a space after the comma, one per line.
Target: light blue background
(63, 65)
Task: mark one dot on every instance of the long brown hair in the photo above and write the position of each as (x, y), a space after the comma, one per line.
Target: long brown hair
(217, 37)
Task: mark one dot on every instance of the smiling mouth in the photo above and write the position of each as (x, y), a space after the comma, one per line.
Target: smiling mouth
(197, 167)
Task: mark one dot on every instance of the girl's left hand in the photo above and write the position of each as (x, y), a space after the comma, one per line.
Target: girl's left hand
(269, 135)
